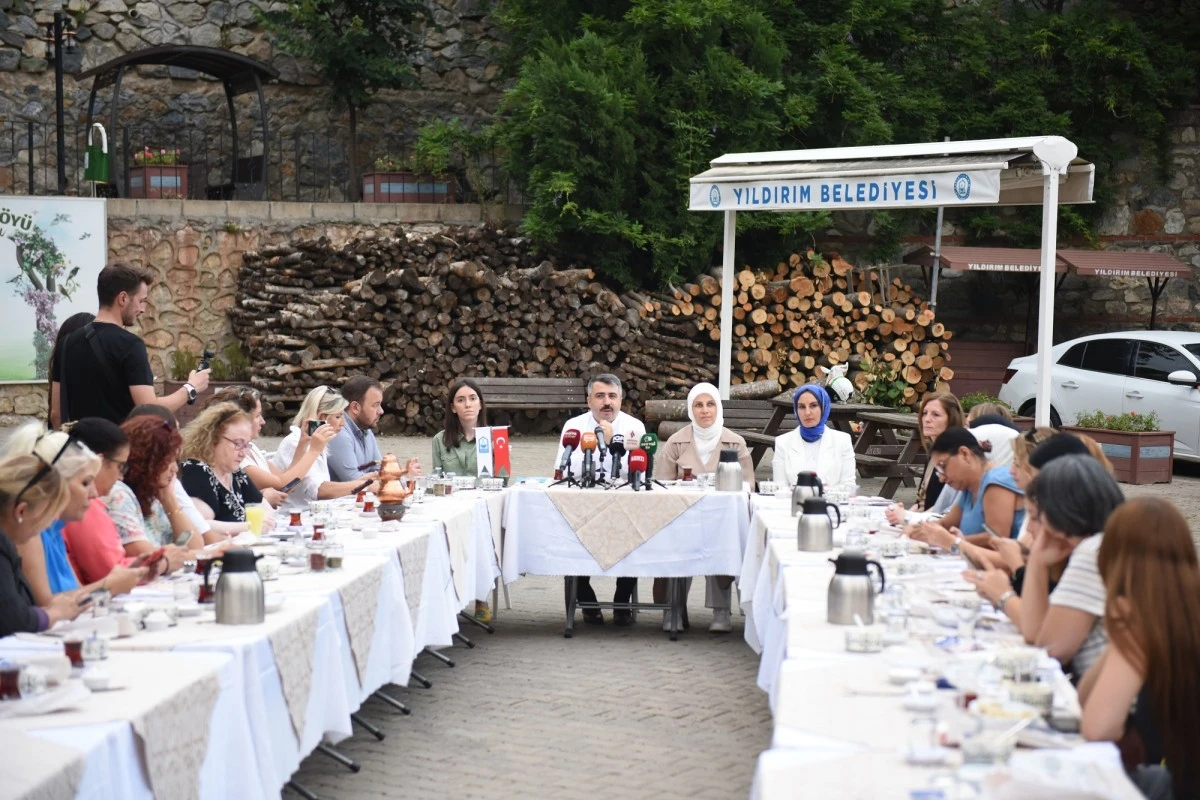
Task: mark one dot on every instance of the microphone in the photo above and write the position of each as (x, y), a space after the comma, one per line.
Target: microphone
(637, 468)
(588, 446)
(570, 440)
(649, 443)
(603, 448)
(617, 448)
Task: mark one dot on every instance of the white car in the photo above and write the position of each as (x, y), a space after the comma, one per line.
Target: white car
(1140, 371)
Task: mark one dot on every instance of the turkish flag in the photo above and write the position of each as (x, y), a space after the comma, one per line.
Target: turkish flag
(501, 466)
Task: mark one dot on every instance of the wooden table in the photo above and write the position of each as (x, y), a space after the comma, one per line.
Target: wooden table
(879, 451)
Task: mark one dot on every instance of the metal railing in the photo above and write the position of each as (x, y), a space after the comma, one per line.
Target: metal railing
(303, 166)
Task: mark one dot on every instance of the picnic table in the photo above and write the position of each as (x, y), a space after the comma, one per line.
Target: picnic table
(879, 451)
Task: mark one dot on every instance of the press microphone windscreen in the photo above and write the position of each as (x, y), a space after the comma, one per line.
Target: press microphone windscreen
(649, 443)
(587, 441)
(570, 438)
(617, 445)
(637, 461)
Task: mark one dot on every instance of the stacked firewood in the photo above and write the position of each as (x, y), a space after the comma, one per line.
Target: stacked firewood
(417, 311)
(806, 313)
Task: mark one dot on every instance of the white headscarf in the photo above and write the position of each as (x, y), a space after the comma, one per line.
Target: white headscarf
(706, 439)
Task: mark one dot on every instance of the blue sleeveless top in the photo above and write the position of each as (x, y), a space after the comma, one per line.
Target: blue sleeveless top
(972, 507)
(58, 566)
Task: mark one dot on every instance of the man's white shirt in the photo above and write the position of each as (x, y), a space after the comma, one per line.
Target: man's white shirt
(629, 427)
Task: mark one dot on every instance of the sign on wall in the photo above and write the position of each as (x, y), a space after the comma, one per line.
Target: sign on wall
(919, 190)
(51, 251)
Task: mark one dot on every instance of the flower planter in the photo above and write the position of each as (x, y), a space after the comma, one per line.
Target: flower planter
(188, 413)
(407, 187)
(159, 182)
(1136, 457)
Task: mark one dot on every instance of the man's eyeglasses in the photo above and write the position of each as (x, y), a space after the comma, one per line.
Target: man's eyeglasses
(47, 466)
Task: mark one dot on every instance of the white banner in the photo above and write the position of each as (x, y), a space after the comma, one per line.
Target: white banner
(918, 190)
(51, 251)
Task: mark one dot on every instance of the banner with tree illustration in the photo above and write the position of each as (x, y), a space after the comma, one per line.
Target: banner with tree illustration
(51, 250)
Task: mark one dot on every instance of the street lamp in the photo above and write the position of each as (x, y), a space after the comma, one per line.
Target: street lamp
(59, 39)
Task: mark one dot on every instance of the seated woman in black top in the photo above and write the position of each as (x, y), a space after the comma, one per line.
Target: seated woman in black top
(1152, 615)
(32, 495)
(214, 445)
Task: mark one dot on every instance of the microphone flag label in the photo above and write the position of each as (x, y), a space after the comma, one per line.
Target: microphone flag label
(483, 452)
(501, 466)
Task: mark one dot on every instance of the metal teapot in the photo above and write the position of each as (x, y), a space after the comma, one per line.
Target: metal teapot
(239, 592)
(807, 485)
(814, 531)
(851, 590)
(729, 472)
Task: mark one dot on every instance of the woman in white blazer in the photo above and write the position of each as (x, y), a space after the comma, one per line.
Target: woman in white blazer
(813, 447)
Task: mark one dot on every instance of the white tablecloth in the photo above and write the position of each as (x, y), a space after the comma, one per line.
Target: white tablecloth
(706, 539)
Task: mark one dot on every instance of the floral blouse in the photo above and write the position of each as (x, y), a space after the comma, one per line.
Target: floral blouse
(227, 505)
(126, 514)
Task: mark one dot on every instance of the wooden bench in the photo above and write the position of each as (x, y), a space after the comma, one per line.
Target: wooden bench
(533, 394)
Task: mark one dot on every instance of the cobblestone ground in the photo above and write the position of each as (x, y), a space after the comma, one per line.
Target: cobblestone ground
(612, 712)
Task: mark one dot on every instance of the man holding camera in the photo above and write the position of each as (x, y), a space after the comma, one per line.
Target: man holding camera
(103, 369)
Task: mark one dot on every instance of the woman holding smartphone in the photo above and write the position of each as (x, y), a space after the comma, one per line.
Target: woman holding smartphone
(323, 408)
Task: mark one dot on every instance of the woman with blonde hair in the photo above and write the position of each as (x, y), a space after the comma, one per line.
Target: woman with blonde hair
(32, 493)
(323, 408)
(45, 560)
(214, 445)
(269, 478)
(1147, 562)
(937, 412)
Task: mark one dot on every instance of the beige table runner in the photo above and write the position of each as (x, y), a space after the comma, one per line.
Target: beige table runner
(611, 525)
(38, 769)
(360, 603)
(495, 506)
(413, 554)
(294, 647)
(175, 743)
(458, 539)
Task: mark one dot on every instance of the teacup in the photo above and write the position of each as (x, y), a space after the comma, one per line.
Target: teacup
(156, 620)
(95, 649)
(268, 568)
(864, 639)
(768, 487)
(1038, 695)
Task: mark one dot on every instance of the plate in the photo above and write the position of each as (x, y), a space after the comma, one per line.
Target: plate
(189, 609)
(273, 602)
(66, 696)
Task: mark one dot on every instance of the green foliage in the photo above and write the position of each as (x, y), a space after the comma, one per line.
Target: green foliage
(884, 386)
(969, 401)
(1131, 422)
(616, 104)
(183, 363)
(359, 46)
(438, 142)
(232, 364)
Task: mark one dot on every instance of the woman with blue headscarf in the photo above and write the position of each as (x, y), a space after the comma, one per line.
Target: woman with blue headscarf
(812, 446)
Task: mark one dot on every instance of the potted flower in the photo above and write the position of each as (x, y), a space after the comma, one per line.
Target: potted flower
(158, 174)
(425, 176)
(230, 368)
(1138, 450)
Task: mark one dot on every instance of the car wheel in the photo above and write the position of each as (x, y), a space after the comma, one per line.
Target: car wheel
(1030, 410)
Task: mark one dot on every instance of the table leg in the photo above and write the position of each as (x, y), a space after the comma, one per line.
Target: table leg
(865, 438)
(570, 586)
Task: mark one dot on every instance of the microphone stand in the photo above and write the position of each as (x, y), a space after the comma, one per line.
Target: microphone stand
(568, 479)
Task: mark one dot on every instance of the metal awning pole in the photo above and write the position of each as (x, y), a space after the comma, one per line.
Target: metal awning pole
(727, 303)
(1055, 162)
(937, 260)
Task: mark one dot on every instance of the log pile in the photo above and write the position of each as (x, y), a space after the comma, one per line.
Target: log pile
(806, 313)
(417, 311)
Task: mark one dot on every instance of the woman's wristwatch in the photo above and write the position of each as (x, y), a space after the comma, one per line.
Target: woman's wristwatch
(956, 549)
(1004, 598)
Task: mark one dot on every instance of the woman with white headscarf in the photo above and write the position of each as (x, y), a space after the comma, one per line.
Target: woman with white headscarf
(698, 447)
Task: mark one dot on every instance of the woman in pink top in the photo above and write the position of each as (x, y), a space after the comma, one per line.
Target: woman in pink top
(93, 543)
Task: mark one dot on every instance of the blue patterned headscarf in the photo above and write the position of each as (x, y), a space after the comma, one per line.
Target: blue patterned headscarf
(815, 432)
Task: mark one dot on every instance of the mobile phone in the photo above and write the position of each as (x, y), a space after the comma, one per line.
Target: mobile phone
(313, 424)
(362, 486)
(95, 596)
(206, 361)
(155, 557)
(367, 465)
(290, 485)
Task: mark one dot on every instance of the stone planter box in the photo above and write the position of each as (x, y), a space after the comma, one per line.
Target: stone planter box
(407, 187)
(1136, 457)
(159, 182)
(188, 413)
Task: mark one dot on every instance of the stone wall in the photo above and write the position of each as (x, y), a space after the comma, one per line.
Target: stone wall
(195, 248)
(455, 66)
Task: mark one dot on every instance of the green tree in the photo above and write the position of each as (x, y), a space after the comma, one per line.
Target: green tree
(359, 46)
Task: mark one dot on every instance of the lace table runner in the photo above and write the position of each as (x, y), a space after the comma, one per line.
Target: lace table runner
(360, 602)
(611, 525)
(174, 742)
(294, 647)
(495, 506)
(458, 538)
(413, 555)
(38, 769)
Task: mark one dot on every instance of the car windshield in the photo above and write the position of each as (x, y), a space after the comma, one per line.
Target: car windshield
(1194, 349)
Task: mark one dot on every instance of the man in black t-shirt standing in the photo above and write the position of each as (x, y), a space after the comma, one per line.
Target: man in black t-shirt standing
(104, 370)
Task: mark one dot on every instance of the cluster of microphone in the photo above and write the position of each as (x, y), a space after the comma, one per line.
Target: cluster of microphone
(595, 450)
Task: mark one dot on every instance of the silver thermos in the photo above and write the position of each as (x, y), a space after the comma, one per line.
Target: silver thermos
(851, 590)
(729, 472)
(807, 485)
(814, 531)
(239, 590)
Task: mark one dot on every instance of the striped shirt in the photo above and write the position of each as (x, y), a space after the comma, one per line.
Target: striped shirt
(1081, 588)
